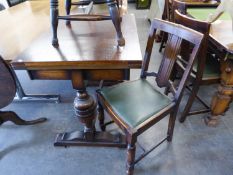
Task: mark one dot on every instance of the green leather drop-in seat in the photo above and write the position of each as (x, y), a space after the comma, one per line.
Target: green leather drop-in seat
(135, 101)
(202, 13)
(212, 68)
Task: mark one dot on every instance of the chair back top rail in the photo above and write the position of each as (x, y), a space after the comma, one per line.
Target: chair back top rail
(200, 26)
(177, 33)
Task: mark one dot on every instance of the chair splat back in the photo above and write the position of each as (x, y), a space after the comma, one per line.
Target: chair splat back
(169, 58)
(177, 34)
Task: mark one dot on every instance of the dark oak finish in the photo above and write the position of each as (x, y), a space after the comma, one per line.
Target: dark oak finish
(114, 12)
(17, 39)
(7, 93)
(176, 33)
(89, 53)
(220, 39)
(198, 78)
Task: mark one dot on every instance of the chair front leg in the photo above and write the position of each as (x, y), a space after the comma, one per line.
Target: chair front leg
(171, 125)
(100, 115)
(131, 150)
(190, 101)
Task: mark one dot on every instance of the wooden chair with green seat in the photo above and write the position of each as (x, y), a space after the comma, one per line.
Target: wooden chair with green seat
(137, 105)
(205, 71)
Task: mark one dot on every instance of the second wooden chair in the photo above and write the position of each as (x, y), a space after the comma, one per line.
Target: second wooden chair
(206, 70)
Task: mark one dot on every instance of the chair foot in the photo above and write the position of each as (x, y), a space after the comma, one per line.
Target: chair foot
(13, 117)
(68, 24)
(130, 159)
(55, 43)
(169, 138)
(182, 119)
(171, 126)
(121, 41)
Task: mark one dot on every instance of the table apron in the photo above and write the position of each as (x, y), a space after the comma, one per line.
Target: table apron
(87, 74)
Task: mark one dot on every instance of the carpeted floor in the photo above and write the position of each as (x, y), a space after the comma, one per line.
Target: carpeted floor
(28, 150)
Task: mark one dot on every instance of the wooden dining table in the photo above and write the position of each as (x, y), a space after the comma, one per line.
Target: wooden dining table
(88, 51)
(20, 25)
(221, 41)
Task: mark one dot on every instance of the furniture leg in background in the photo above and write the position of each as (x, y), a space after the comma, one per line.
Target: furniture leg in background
(113, 10)
(13, 117)
(223, 97)
(7, 93)
(22, 96)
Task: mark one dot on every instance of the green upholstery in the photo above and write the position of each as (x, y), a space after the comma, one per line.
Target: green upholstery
(202, 13)
(230, 56)
(135, 101)
(212, 68)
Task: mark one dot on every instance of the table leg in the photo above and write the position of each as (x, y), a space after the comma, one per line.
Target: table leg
(116, 19)
(85, 110)
(68, 7)
(13, 117)
(21, 96)
(223, 97)
(54, 21)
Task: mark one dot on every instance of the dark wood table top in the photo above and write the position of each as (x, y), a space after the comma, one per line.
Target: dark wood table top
(86, 45)
(221, 30)
(20, 25)
(23, 23)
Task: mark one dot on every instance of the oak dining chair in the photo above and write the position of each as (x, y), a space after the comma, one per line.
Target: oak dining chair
(206, 70)
(137, 105)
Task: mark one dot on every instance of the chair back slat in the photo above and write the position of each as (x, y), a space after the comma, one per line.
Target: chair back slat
(169, 58)
(176, 34)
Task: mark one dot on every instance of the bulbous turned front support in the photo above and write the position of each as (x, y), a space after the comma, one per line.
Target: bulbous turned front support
(85, 110)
